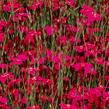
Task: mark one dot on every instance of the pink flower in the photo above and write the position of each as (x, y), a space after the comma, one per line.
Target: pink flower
(20, 17)
(49, 30)
(9, 5)
(74, 107)
(84, 107)
(2, 37)
(49, 54)
(32, 70)
(3, 66)
(62, 40)
(6, 7)
(42, 60)
(4, 106)
(92, 30)
(36, 5)
(65, 106)
(100, 61)
(87, 10)
(73, 40)
(78, 66)
(90, 14)
(89, 69)
(3, 100)
(70, 2)
(22, 28)
(57, 66)
(55, 5)
(71, 28)
(5, 76)
(18, 60)
(79, 49)
(23, 100)
(30, 35)
(33, 107)
(92, 17)
(3, 23)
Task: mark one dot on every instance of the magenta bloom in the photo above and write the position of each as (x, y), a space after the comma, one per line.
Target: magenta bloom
(36, 5)
(2, 37)
(65, 106)
(49, 30)
(5, 76)
(87, 10)
(3, 100)
(88, 67)
(70, 2)
(3, 66)
(9, 5)
(79, 49)
(90, 14)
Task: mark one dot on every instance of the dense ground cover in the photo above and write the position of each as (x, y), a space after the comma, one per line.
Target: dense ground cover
(54, 54)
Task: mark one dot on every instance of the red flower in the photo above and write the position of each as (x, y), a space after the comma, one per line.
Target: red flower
(3, 100)
(23, 100)
(79, 49)
(100, 61)
(3, 106)
(88, 68)
(77, 66)
(9, 5)
(2, 37)
(55, 5)
(70, 2)
(65, 106)
(62, 40)
(5, 76)
(49, 30)
(3, 66)
(90, 14)
(3, 23)
(33, 107)
(36, 5)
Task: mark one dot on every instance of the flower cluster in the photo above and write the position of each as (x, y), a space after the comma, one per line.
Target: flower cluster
(54, 54)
